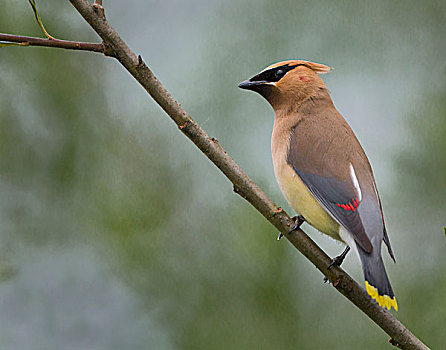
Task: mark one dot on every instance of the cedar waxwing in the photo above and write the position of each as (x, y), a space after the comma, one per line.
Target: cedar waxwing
(322, 169)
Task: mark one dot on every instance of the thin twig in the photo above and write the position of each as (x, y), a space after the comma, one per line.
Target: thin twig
(38, 19)
(64, 44)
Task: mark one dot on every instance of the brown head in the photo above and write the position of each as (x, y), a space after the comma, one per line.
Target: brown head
(287, 83)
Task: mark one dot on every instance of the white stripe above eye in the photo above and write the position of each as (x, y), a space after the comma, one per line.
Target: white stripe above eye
(355, 181)
(269, 67)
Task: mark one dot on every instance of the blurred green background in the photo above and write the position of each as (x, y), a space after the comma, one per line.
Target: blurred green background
(117, 233)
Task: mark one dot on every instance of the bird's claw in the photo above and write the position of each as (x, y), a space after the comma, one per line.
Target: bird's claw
(336, 261)
(339, 259)
(298, 221)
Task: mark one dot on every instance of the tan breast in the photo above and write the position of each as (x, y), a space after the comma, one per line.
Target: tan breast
(294, 190)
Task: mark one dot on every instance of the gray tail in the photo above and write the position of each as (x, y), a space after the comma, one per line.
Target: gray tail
(376, 281)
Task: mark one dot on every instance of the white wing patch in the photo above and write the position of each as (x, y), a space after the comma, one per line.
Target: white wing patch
(355, 181)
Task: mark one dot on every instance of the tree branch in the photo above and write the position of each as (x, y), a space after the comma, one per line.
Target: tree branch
(64, 44)
(113, 45)
(243, 185)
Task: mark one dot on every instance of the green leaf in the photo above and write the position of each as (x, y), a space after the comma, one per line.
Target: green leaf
(39, 21)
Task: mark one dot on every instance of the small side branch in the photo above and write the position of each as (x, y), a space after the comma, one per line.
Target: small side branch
(39, 21)
(63, 44)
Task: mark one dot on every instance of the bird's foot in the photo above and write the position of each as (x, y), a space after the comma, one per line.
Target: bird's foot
(339, 259)
(298, 221)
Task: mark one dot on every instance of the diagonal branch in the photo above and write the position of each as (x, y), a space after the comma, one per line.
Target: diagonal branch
(114, 46)
(243, 185)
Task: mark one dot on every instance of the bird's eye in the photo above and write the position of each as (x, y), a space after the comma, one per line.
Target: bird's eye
(280, 73)
(273, 74)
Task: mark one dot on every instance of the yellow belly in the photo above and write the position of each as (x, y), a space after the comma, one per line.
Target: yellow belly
(302, 201)
(294, 190)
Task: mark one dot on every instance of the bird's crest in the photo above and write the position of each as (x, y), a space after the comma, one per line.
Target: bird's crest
(315, 67)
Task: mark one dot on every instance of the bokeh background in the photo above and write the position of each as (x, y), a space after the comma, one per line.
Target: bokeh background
(117, 233)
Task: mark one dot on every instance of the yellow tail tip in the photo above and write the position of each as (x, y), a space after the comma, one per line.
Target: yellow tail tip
(383, 300)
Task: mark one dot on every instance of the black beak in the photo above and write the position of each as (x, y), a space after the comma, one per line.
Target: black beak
(251, 85)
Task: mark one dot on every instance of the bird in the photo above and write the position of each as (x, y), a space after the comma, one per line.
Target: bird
(322, 169)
